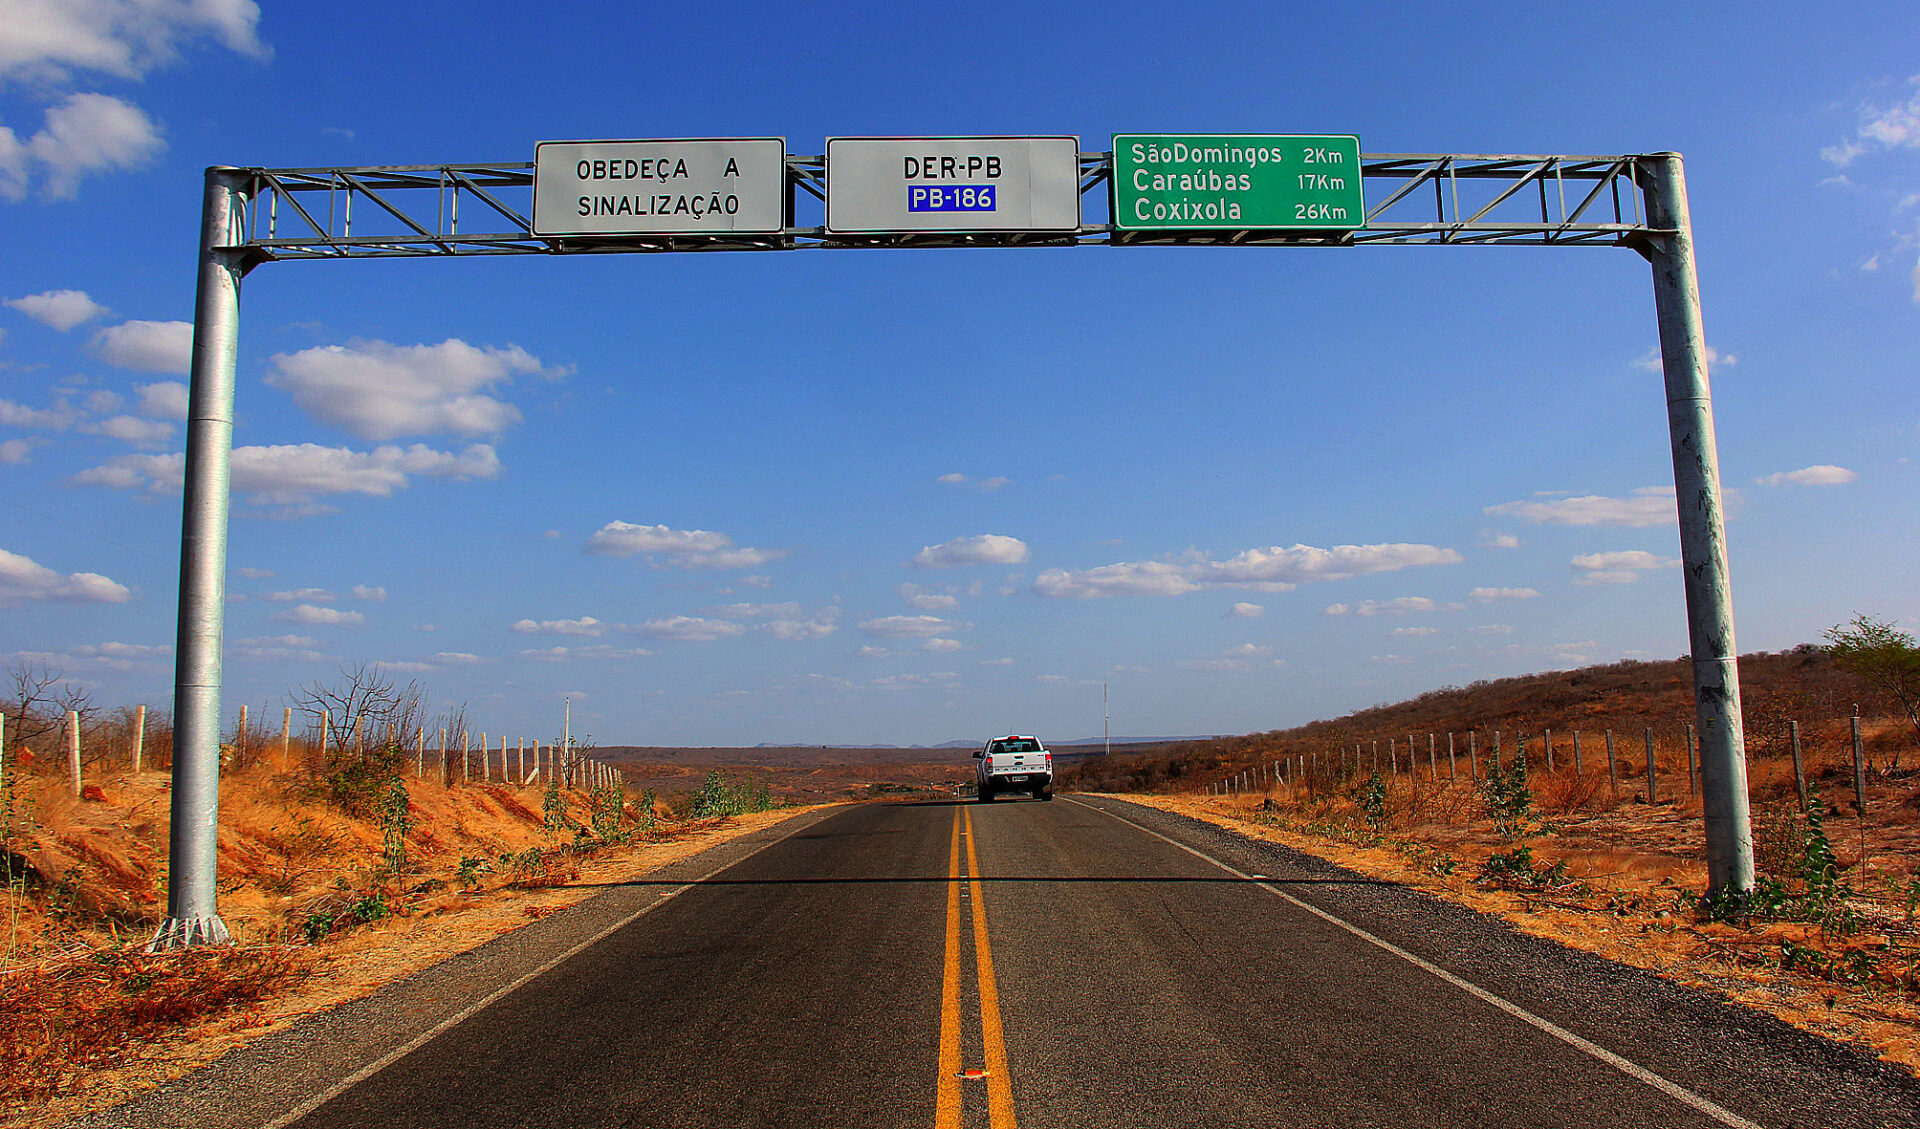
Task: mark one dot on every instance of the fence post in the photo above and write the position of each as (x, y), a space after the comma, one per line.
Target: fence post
(446, 766)
(1859, 767)
(1433, 770)
(1376, 755)
(1613, 766)
(240, 738)
(1452, 772)
(1653, 790)
(1576, 752)
(1547, 740)
(1799, 769)
(139, 737)
(73, 750)
(1496, 750)
(1393, 761)
(1473, 754)
(466, 759)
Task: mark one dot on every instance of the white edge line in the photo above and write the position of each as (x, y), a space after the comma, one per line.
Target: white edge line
(1625, 1066)
(400, 1052)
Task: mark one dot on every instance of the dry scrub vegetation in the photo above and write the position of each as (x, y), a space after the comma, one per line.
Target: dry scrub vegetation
(1828, 942)
(336, 874)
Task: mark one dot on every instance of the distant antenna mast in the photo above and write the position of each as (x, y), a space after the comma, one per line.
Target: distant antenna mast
(1106, 720)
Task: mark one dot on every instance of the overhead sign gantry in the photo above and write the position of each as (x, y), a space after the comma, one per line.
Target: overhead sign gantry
(718, 194)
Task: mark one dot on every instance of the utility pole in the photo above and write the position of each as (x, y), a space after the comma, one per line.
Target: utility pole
(1703, 531)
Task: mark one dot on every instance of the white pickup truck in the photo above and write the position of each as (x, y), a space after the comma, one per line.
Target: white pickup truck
(1014, 763)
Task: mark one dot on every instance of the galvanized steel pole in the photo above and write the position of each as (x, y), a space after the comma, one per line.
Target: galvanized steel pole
(1703, 537)
(193, 840)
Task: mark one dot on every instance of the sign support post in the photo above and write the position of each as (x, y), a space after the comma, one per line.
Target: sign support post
(194, 836)
(1703, 531)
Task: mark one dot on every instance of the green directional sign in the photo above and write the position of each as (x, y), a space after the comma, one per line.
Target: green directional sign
(1236, 182)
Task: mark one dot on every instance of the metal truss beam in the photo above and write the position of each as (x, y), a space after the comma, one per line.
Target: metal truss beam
(1445, 198)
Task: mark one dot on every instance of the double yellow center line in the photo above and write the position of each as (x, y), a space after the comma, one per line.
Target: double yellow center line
(999, 1085)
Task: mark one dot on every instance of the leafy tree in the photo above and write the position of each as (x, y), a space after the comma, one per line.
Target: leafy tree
(1887, 658)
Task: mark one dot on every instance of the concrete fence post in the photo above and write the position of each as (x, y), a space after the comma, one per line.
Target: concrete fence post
(73, 751)
(446, 765)
(240, 737)
(1473, 754)
(1653, 788)
(1859, 766)
(1577, 766)
(1452, 770)
(1547, 740)
(286, 733)
(466, 758)
(139, 737)
(1799, 767)
(1613, 766)
(1433, 770)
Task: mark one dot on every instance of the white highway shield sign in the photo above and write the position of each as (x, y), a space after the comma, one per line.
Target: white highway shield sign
(879, 185)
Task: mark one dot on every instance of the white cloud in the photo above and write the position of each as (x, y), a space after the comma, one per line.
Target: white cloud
(684, 628)
(146, 346)
(313, 615)
(986, 548)
(1483, 595)
(131, 429)
(1648, 505)
(279, 641)
(943, 646)
(1272, 570)
(906, 626)
(1496, 540)
(1248, 651)
(596, 651)
(1624, 559)
(1620, 567)
(1491, 629)
(957, 479)
(15, 451)
(1822, 475)
(585, 625)
(104, 402)
(1399, 605)
(302, 595)
(377, 390)
(821, 624)
(24, 579)
(682, 548)
(61, 309)
(366, 592)
(788, 610)
(1215, 666)
(1881, 127)
(84, 134)
(459, 658)
(1245, 611)
(48, 41)
(1410, 631)
(294, 474)
(57, 418)
(166, 399)
(932, 602)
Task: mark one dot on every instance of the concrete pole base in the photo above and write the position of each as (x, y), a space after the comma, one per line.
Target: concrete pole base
(186, 932)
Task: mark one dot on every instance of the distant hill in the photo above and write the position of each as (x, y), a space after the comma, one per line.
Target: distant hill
(1777, 688)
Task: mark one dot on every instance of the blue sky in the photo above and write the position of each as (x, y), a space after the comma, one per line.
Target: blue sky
(913, 497)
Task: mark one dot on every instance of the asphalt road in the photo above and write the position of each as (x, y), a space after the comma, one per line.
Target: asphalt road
(1075, 963)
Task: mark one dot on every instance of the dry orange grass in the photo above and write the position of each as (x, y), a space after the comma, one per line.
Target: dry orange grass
(74, 991)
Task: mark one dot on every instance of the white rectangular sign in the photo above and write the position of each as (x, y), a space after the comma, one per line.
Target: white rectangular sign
(952, 184)
(704, 186)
